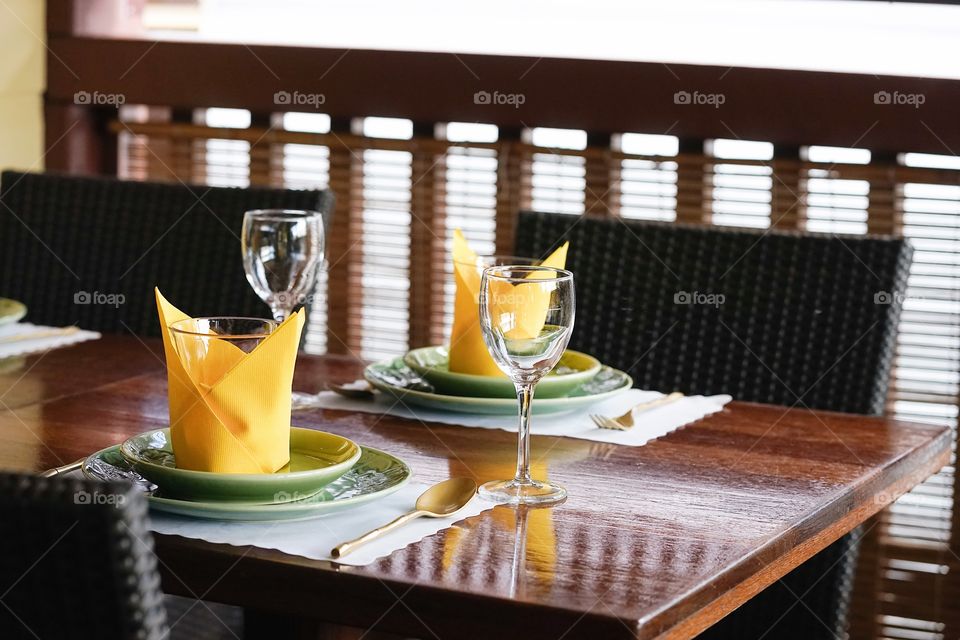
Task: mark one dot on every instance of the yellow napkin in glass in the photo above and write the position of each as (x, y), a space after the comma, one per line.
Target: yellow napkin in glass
(468, 353)
(233, 414)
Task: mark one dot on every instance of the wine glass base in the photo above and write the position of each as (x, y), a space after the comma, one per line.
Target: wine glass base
(301, 401)
(513, 492)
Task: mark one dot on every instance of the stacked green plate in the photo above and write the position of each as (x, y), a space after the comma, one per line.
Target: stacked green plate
(326, 473)
(423, 378)
(433, 363)
(317, 458)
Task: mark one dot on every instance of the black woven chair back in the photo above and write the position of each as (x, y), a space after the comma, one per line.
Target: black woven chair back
(794, 319)
(89, 251)
(782, 318)
(77, 561)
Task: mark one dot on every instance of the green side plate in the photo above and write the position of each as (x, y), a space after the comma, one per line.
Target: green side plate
(317, 458)
(11, 311)
(376, 474)
(433, 363)
(400, 381)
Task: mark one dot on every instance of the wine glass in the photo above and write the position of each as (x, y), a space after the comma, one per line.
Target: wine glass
(282, 254)
(526, 317)
(282, 257)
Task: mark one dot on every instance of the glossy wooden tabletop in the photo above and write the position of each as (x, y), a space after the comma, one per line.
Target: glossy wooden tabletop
(654, 541)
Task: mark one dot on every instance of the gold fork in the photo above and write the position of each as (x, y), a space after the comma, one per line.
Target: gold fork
(624, 422)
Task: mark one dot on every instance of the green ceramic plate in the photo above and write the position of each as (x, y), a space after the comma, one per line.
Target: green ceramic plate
(433, 363)
(316, 459)
(11, 311)
(375, 475)
(399, 380)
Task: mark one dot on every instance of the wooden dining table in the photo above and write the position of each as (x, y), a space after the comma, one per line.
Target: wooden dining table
(657, 541)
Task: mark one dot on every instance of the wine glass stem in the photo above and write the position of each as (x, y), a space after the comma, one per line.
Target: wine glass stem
(279, 312)
(525, 397)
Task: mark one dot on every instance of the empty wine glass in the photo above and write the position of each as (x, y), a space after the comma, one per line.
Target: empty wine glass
(526, 317)
(282, 254)
(282, 257)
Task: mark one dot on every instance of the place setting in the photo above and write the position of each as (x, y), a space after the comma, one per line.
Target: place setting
(472, 381)
(231, 466)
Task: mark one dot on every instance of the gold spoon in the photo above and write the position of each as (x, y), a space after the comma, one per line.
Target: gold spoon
(439, 501)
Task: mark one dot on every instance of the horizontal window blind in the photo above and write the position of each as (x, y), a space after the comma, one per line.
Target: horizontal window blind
(741, 193)
(835, 205)
(648, 186)
(558, 181)
(402, 188)
(383, 320)
(470, 199)
(306, 166)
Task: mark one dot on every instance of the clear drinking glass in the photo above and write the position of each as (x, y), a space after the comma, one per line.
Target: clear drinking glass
(526, 317)
(195, 339)
(282, 256)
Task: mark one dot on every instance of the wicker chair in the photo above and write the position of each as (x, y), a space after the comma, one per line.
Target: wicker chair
(69, 242)
(785, 318)
(77, 561)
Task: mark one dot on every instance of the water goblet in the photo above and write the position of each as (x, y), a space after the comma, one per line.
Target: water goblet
(526, 317)
(282, 257)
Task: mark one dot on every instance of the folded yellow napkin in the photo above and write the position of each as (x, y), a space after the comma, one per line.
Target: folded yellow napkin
(232, 415)
(468, 353)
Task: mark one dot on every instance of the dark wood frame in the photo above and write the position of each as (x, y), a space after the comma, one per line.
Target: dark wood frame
(788, 108)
